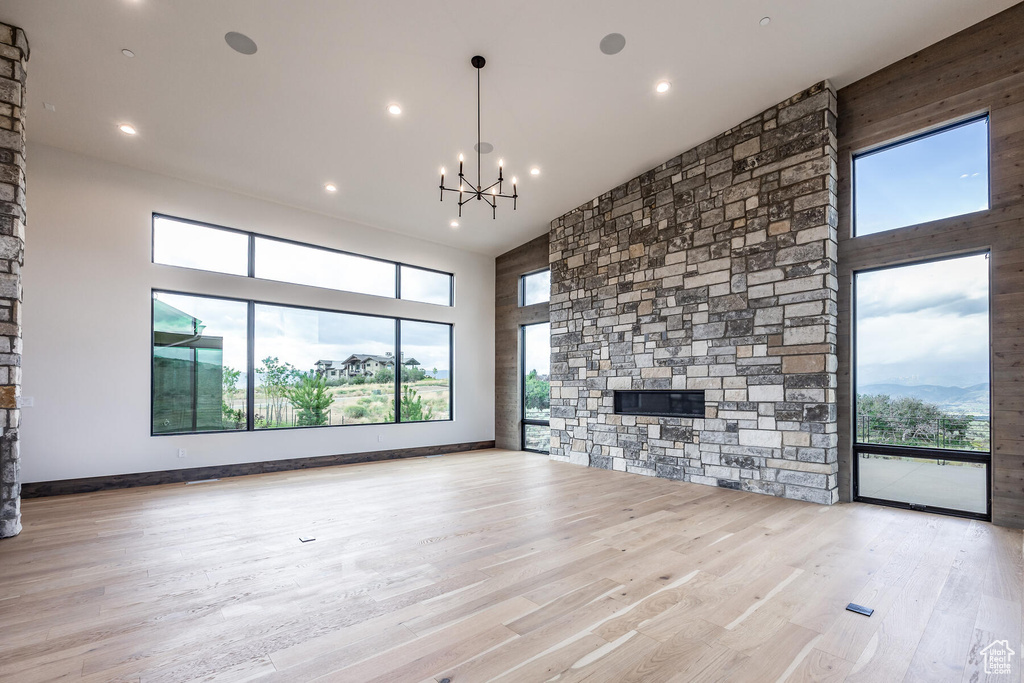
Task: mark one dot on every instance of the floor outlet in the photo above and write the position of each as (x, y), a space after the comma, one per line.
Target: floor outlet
(181, 453)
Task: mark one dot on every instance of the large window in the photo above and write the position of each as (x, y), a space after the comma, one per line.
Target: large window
(189, 244)
(921, 421)
(535, 366)
(426, 371)
(199, 364)
(937, 175)
(308, 367)
(535, 288)
(317, 368)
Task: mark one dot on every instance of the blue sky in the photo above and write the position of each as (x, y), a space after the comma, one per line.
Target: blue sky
(929, 178)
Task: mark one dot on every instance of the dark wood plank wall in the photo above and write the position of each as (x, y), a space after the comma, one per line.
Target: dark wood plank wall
(508, 317)
(980, 69)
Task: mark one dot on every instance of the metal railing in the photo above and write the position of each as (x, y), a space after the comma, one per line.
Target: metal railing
(945, 432)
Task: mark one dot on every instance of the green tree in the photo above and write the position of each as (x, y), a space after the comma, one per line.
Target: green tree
(413, 409)
(412, 373)
(536, 395)
(229, 389)
(311, 398)
(277, 377)
(910, 421)
(384, 375)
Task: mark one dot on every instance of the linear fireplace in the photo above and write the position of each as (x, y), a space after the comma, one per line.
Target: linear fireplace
(661, 403)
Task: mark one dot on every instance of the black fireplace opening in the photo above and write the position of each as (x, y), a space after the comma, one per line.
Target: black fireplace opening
(660, 403)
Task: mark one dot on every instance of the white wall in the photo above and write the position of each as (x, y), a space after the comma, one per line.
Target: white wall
(88, 278)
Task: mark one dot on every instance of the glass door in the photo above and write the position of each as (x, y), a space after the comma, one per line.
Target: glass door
(535, 387)
(922, 436)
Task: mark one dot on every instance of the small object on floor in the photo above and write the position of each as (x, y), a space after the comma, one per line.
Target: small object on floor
(445, 680)
(860, 609)
(307, 539)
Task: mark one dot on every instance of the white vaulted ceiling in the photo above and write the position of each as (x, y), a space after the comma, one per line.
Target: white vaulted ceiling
(309, 106)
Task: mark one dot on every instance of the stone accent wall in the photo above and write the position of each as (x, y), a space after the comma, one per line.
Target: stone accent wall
(715, 271)
(13, 58)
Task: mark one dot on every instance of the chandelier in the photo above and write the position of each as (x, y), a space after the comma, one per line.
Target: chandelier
(467, 191)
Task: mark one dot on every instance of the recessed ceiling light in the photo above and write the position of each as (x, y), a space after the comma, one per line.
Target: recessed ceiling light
(613, 43)
(663, 86)
(127, 53)
(765, 21)
(330, 187)
(483, 147)
(127, 129)
(454, 224)
(241, 43)
(394, 109)
(534, 171)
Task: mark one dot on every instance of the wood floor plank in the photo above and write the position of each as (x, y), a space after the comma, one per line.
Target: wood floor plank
(495, 566)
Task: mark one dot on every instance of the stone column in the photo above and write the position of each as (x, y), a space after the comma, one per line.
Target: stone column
(13, 58)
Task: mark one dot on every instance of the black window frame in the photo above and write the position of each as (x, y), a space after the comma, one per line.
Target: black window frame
(922, 452)
(522, 288)
(524, 422)
(931, 132)
(252, 260)
(251, 364)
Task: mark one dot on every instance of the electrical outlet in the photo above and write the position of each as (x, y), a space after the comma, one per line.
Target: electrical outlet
(380, 438)
(182, 453)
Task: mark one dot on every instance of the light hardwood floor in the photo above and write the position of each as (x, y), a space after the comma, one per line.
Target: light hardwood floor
(501, 566)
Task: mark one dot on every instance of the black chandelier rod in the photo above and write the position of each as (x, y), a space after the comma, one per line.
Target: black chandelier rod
(479, 165)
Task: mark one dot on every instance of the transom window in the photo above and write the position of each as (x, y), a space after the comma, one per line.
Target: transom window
(535, 288)
(939, 174)
(189, 244)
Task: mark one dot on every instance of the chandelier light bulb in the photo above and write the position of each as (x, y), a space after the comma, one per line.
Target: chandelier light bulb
(501, 163)
(514, 181)
(461, 158)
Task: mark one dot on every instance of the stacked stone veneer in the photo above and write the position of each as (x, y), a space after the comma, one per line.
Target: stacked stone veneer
(13, 58)
(713, 271)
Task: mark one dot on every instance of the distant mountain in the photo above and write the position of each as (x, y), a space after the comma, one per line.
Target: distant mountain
(973, 399)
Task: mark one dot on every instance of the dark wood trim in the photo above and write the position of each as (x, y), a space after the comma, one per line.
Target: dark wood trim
(973, 72)
(509, 317)
(123, 481)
